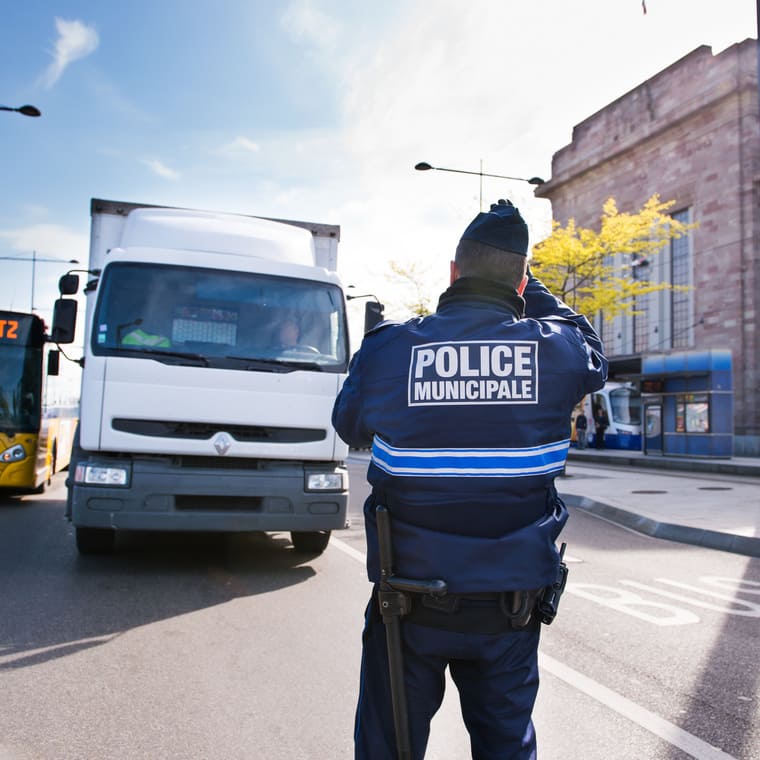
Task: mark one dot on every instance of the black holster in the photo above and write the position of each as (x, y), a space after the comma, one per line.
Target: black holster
(548, 603)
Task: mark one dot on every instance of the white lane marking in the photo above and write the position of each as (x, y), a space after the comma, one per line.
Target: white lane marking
(693, 745)
(622, 600)
(348, 549)
(731, 584)
(9, 657)
(750, 609)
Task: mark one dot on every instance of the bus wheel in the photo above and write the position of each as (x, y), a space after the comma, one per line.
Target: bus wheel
(95, 540)
(310, 542)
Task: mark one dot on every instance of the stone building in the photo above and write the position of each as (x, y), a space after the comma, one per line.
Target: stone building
(691, 134)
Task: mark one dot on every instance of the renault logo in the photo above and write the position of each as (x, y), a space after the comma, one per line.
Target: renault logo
(222, 443)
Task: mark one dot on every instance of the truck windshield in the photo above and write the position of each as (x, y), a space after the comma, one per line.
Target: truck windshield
(216, 318)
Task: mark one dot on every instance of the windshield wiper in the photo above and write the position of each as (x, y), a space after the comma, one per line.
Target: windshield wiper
(199, 358)
(275, 365)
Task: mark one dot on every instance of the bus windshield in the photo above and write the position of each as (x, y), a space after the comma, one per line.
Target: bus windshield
(625, 404)
(215, 318)
(20, 373)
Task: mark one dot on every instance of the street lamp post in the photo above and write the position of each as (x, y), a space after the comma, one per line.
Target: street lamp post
(26, 110)
(424, 166)
(34, 261)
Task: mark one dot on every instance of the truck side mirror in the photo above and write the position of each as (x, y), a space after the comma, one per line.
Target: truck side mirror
(373, 314)
(64, 320)
(68, 284)
(53, 362)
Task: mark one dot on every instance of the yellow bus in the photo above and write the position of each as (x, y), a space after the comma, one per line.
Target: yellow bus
(38, 406)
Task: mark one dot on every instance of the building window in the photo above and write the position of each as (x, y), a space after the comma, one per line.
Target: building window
(680, 274)
(641, 324)
(641, 269)
(606, 329)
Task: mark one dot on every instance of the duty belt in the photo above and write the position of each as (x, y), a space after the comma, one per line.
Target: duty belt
(488, 612)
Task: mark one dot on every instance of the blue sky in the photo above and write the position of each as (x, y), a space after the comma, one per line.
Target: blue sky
(311, 109)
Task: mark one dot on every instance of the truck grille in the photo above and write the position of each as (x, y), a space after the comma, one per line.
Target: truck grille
(204, 431)
(221, 503)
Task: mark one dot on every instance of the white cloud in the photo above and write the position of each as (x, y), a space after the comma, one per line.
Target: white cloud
(35, 210)
(161, 169)
(48, 240)
(245, 144)
(75, 40)
(108, 96)
(501, 83)
(239, 145)
(309, 25)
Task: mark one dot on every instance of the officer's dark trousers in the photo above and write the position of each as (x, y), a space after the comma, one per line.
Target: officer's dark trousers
(497, 679)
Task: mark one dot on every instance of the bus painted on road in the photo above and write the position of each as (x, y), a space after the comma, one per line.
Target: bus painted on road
(38, 406)
(622, 403)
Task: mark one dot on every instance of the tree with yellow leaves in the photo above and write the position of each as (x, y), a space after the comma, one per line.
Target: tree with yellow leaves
(414, 277)
(594, 271)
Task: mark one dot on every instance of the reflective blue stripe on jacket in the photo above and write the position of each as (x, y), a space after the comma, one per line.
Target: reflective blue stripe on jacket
(477, 463)
(468, 414)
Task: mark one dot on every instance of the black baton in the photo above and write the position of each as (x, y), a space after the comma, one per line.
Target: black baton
(394, 602)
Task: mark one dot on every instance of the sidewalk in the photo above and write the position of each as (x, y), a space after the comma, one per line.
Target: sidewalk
(745, 466)
(718, 507)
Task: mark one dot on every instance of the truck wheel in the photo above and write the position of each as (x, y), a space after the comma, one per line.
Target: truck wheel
(95, 540)
(310, 542)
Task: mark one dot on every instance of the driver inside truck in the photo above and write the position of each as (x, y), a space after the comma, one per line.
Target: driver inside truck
(288, 333)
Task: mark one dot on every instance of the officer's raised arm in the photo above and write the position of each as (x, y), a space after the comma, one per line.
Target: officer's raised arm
(540, 303)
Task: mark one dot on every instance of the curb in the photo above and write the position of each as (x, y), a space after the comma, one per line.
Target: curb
(750, 468)
(707, 539)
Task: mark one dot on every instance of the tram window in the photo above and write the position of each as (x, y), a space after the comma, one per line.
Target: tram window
(626, 406)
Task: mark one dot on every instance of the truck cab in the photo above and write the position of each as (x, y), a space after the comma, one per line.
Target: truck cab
(215, 345)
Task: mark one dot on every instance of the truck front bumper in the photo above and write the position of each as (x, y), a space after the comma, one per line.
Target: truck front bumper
(181, 494)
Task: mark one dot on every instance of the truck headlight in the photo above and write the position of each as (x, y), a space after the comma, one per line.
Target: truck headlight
(99, 475)
(326, 481)
(13, 454)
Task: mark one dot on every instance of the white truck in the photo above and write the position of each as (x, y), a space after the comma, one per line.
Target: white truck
(214, 347)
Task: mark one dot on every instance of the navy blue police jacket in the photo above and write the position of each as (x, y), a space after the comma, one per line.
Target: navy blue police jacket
(468, 414)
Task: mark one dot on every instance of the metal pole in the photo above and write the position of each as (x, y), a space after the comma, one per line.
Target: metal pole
(481, 175)
(34, 263)
(394, 603)
(394, 643)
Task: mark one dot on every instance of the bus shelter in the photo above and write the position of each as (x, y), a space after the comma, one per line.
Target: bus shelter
(687, 400)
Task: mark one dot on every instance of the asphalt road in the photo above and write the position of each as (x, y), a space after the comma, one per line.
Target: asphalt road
(235, 647)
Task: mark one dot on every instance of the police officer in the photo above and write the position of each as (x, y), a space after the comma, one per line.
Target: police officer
(468, 413)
